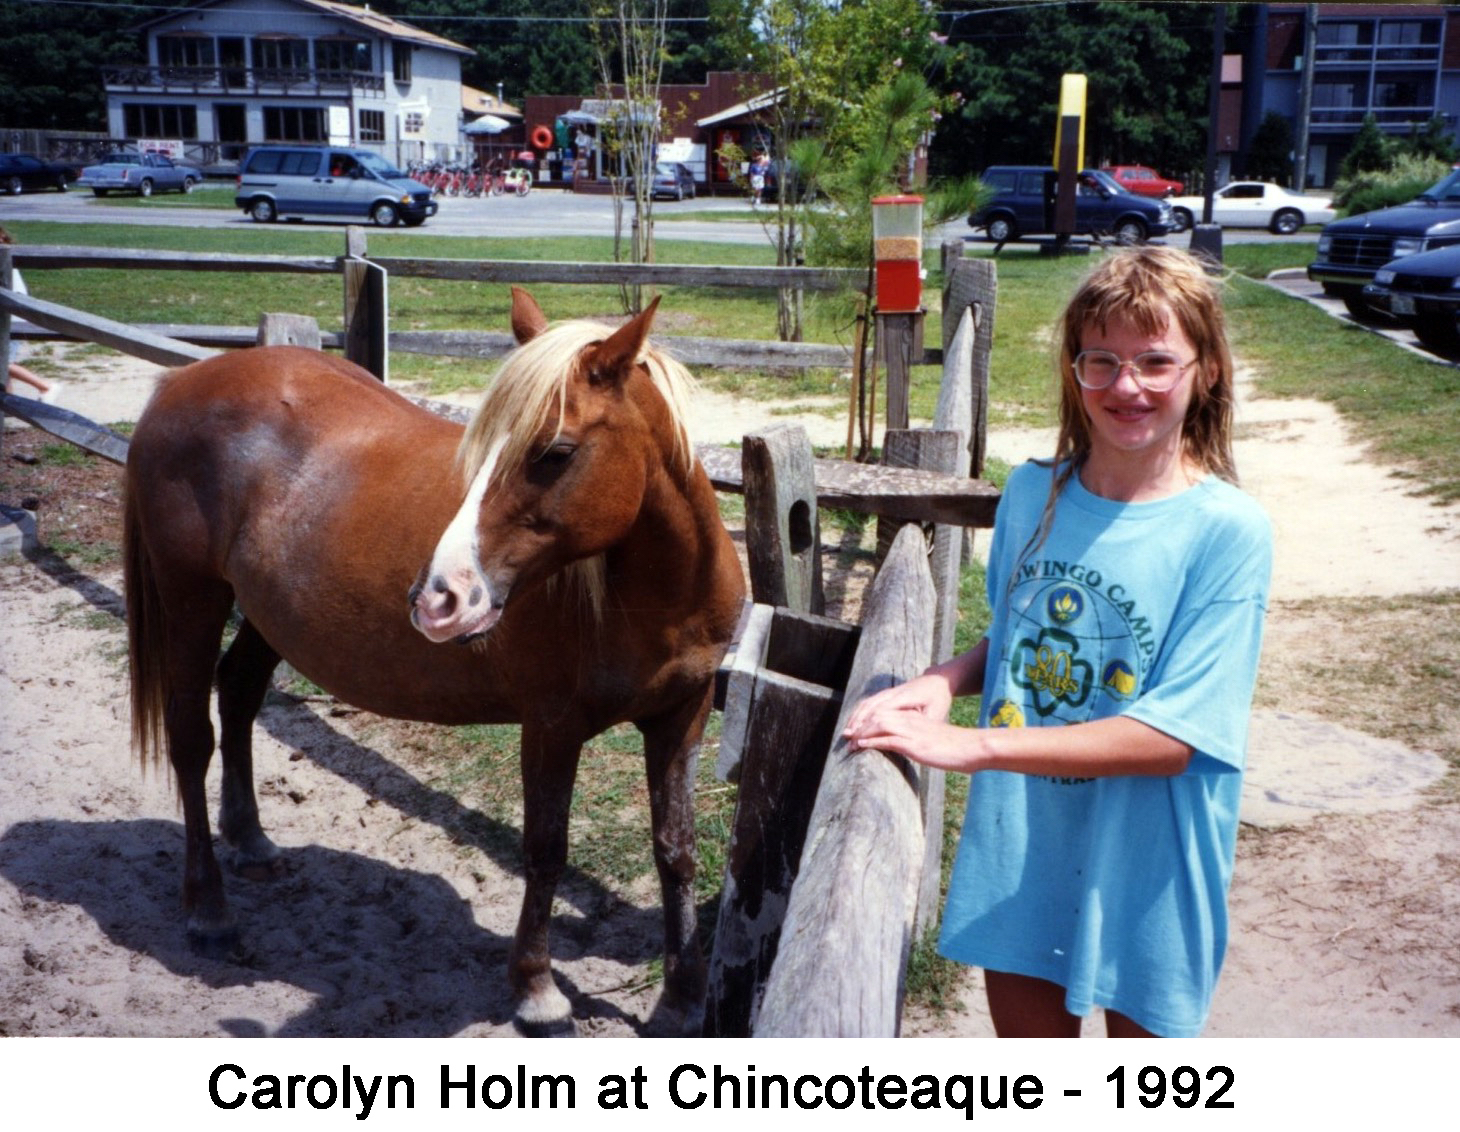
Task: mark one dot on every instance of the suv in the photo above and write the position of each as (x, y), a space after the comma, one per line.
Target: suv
(1023, 205)
(1350, 251)
(331, 182)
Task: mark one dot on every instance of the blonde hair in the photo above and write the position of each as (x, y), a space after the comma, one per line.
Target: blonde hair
(533, 382)
(1146, 287)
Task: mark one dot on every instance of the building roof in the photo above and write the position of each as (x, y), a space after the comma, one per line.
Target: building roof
(747, 108)
(360, 17)
(476, 102)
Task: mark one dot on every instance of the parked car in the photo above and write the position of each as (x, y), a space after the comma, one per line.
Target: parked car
(1254, 204)
(1423, 292)
(671, 179)
(333, 183)
(1352, 250)
(1024, 205)
(1142, 180)
(26, 173)
(140, 173)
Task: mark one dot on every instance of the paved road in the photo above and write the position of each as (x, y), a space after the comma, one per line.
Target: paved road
(550, 212)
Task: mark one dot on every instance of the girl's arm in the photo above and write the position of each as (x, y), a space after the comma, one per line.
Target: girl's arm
(1104, 747)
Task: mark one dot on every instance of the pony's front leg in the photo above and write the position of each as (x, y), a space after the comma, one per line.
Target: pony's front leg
(671, 755)
(549, 766)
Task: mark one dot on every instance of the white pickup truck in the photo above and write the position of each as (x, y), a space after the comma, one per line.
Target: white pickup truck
(140, 173)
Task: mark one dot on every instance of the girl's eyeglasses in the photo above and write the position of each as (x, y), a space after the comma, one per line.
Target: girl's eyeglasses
(1154, 370)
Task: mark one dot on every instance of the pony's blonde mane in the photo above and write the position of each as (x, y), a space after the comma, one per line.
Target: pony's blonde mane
(532, 387)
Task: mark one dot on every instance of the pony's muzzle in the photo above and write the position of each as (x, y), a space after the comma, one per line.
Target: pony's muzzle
(445, 609)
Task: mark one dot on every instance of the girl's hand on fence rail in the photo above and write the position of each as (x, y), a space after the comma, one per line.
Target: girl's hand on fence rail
(928, 696)
(918, 736)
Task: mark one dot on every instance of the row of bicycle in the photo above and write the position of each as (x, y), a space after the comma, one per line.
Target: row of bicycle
(460, 181)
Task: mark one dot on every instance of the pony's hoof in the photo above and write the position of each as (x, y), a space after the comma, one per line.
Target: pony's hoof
(221, 943)
(252, 868)
(545, 1014)
(674, 1016)
(256, 858)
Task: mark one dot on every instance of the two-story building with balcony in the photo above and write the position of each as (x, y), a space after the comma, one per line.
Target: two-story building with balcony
(1398, 62)
(225, 75)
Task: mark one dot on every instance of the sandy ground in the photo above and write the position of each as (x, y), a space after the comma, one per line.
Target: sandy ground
(396, 912)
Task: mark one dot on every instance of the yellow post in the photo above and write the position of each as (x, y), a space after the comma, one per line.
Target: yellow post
(1069, 154)
(1072, 118)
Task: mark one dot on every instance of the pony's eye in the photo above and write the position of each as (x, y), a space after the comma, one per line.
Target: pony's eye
(551, 462)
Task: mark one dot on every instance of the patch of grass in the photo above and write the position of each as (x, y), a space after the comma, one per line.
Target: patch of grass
(65, 455)
(209, 194)
(1406, 407)
(84, 555)
(1392, 677)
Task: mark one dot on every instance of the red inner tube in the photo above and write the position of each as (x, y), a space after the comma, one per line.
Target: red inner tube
(542, 137)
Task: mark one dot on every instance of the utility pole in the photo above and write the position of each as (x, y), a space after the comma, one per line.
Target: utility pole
(1305, 99)
(1206, 237)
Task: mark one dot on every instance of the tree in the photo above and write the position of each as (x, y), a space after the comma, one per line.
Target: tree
(1270, 156)
(824, 62)
(1371, 151)
(51, 69)
(1433, 140)
(1142, 105)
(629, 39)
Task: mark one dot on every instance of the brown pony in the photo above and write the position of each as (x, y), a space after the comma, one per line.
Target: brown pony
(570, 537)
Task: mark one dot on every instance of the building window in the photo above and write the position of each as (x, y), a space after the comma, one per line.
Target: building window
(184, 51)
(281, 59)
(294, 124)
(401, 53)
(372, 125)
(142, 120)
(341, 57)
(1408, 92)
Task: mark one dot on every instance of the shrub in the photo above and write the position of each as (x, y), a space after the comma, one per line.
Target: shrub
(1409, 176)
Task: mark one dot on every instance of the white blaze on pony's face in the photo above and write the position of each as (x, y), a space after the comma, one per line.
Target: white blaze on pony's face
(454, 600)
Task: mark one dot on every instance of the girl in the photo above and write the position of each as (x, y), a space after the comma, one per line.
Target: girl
(1128, 580)
(14, 370)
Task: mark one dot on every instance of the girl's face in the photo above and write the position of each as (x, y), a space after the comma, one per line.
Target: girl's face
(1132, 427)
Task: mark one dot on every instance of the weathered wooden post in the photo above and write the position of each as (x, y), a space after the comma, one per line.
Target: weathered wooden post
(7, 282)
(782, 524)
(276, 329)
(367, 336)
(936, 451)
(840, 966)
(782, 695)
(970, 296)
(899, 348)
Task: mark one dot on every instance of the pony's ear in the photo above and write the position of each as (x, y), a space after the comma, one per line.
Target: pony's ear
(621, 349)
(528, 321)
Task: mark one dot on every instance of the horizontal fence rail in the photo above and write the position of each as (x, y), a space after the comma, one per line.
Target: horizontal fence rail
(726, 352)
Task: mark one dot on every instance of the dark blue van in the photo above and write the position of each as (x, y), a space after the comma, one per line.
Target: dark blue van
(1024, 203)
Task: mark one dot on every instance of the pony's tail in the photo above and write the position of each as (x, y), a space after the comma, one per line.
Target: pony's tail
(146, 640)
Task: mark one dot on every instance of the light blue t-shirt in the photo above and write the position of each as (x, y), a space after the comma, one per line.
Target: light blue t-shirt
(1115, 888)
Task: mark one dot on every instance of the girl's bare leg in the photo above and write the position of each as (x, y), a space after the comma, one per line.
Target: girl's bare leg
(1022, 1006)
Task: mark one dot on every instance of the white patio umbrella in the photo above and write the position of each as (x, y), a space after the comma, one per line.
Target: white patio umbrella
(488, 124)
